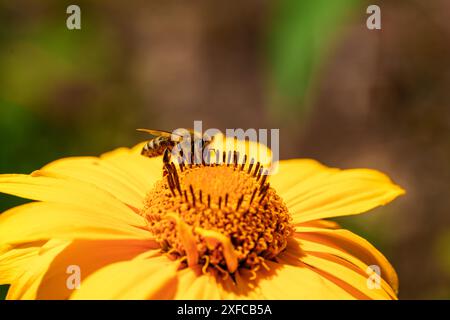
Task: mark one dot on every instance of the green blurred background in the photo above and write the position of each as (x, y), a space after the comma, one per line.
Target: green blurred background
(340, 93)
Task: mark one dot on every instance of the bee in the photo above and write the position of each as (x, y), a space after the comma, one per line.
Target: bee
(165, 141)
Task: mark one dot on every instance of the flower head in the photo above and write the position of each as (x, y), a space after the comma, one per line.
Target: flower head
(137, 229)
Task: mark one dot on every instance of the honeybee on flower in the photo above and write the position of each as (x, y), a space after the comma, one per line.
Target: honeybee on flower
(220, 229)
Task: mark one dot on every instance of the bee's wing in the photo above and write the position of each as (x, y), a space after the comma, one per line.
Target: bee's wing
(158, 133)
(198, 135)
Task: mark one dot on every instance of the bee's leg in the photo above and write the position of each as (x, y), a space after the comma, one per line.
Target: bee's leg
(166, 161)
(166, 156)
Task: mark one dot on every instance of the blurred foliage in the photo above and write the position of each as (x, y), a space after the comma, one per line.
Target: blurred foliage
(54, 86)
(441, 252)
(3, 291)
(298, 42)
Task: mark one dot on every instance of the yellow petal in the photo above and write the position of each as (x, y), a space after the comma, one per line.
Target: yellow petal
(43, 220)
(142, 171)
(253, 149)
(194, 285)
(48, 275)
(311, 248)
(293, 174)
(125, 165)
(103, 175)
(285, 281)
(14, 260)
(136, 150)
(350, 243)
(28, 273)
(343, 273)
(45, 186)
(153, 278)
(326, 224)
(312, 191)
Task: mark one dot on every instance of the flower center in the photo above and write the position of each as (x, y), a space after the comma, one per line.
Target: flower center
(223, 215)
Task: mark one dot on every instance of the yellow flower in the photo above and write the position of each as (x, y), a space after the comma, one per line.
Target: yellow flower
(202, 232)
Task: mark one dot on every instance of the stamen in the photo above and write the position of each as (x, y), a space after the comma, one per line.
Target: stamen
(176, 178)
(229, 158)
(181, 165)
(223, 235)
(187, 239)
(205, 266)
(263, 263)
(193, 194)
(171, 251)
(251, 166)
(263, 189)
(225, 274)
(239, 202)
(235, 159)
(171, 184)
(253, 195)
(217, 157)
(266, 173)
(213, 238)
(244, 162)
(208, 158)
(191, 159)
(166, 156)
(253, 272)
(182, 259)
(256, 169)
(259, 173)
(262, 197)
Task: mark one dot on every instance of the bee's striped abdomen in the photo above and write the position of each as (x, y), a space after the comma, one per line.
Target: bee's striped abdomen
(156, 147)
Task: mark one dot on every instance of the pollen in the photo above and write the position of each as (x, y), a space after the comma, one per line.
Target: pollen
(222, 215)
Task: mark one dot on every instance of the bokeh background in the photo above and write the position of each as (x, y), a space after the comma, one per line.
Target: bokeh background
(340, 93)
